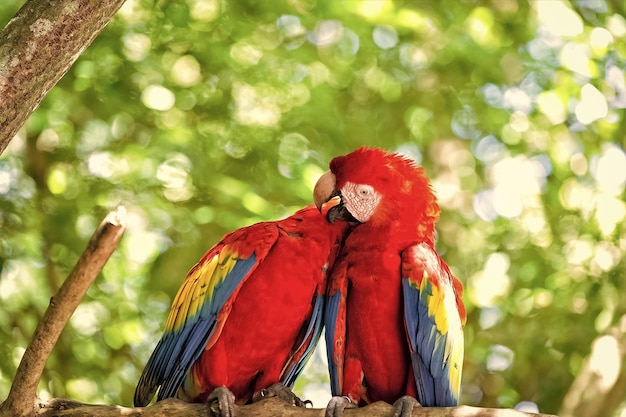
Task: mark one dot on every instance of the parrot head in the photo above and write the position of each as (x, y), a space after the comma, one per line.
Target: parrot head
(378, 188)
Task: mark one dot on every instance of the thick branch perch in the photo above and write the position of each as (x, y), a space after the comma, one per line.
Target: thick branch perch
(100, 247)
(37, 47)
(270, 407)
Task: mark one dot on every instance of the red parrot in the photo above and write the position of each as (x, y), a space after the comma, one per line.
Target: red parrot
(248, 315)
(394, 316)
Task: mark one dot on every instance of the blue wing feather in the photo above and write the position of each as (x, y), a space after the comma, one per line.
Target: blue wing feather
(309, 342)
(433, 325)
(180, 348)
(188, 348)
(330, 320)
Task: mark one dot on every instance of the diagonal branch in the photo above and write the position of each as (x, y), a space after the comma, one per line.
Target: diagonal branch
(103, 242)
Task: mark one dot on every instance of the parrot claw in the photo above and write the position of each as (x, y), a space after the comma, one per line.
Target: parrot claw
(280, 391)
(221, 402)
(404, 406)
(336, 405)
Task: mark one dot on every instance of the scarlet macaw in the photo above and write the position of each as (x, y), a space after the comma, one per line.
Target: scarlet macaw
(394, 315)
(248, 315)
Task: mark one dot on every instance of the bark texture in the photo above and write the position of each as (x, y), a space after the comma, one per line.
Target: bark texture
(37, 47)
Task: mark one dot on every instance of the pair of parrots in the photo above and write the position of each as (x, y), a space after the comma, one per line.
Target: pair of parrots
(361, 263)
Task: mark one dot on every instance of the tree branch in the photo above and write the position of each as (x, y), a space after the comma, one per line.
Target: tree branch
(100, 247)
(270, 407)
(37, 47)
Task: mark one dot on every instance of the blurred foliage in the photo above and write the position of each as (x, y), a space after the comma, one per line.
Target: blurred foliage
(201, 116)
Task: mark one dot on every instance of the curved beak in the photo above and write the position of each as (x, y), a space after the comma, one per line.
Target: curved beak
(333, 202)
(325, 195)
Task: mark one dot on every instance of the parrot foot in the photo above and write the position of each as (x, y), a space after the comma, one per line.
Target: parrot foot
(280, 391)
(336, 405)
(221, 402)
(404, 406)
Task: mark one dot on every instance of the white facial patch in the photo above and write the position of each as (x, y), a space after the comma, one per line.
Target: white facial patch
(361, 200)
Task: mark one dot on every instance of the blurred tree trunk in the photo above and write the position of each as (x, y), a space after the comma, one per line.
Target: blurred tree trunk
(37, 47)
(599, 388)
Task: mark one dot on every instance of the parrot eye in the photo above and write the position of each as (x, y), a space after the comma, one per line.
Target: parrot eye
(365, 190)
(361, 200)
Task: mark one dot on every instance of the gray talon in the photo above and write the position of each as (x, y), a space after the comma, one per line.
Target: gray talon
(336, 405)
(404, 406)
(221, 402)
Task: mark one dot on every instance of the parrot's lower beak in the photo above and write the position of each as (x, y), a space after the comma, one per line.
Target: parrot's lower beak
(333, 202)
(328, 200)
(334, 209)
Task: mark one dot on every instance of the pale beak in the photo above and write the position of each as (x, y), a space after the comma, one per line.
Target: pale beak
(324, 190)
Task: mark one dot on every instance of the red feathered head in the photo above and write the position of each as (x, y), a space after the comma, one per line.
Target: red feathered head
(382, 189)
